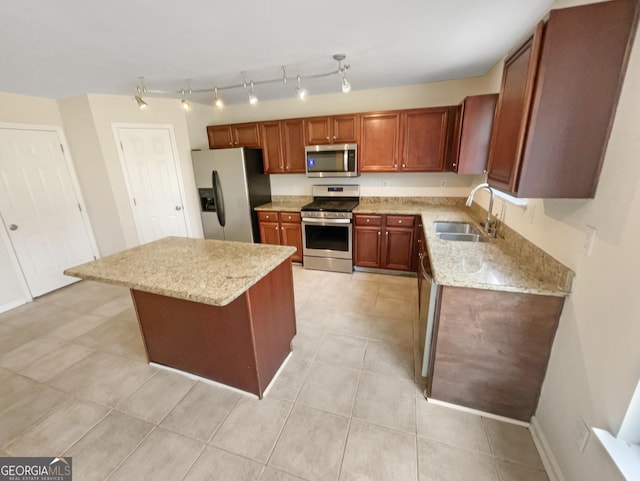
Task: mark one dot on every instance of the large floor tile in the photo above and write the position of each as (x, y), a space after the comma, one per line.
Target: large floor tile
(252, 428)
(162, 456)
(271, 474)
(63, 427)
(311, 444)
(103, 378)
(23, 356)
(102, 449)
(441, 462)
(45, 367)
(78, 326)
(518, 472)
(330, 388)
(33, 406)
(387, 358)
(386, 401)
(289, 381)
(380, 454)
(400, 309)
(201, 411)
(342, 350)
(307, 340)
(512, 443)
(217, 465)
(451, 426)
(14, 388)
(157, 397)
(391, 329)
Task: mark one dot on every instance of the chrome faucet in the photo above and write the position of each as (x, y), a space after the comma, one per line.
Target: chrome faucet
(489, 226)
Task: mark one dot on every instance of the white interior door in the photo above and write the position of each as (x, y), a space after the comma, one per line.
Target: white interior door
(150, 166)
(40, 208)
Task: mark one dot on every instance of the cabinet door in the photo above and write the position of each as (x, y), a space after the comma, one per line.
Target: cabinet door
(246, 135)
(269, 233)
(398, 248)
(474, 133)
(379, 133)
(366, 246)
(293, 145)
(291, 233)
(219, 136)
(425, 140)
(317, 130)
(272, 153)
(345, 129)
(512, 113)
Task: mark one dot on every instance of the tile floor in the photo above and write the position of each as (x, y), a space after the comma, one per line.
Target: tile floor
(74, 381)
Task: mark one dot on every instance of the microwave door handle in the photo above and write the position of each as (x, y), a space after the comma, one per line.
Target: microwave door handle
(346, 160)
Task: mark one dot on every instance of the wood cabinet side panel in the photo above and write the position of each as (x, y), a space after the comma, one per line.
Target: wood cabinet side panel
(493, 348)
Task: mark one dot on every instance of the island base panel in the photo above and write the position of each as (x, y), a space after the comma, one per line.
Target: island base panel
(241, 344)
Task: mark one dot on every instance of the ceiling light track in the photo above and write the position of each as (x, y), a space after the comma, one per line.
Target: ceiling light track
(248, 86)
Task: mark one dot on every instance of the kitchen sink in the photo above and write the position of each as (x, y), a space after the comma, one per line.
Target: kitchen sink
(458, 231)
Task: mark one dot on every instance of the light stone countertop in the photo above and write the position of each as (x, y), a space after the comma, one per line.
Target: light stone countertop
(492, 265)
(286, 203)
(201, 270)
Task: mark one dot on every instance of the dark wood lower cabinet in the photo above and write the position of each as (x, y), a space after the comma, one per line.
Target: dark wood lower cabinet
(282, 228)
(384, 241)
(492, 349)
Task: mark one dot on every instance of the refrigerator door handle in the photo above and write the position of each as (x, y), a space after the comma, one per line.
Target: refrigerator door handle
(217, 197)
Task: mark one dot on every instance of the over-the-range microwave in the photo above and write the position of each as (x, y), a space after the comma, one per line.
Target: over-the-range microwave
(332, 160)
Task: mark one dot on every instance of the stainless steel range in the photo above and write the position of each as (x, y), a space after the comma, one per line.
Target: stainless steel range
(327, 228)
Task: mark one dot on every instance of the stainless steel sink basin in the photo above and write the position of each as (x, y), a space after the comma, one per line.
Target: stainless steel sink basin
(458, 231)
(461, 236)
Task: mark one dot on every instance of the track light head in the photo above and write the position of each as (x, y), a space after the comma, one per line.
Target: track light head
(302, 93)
(217, 101)
(185, 105)
(252, 97)
(346, 86)
(142, 105)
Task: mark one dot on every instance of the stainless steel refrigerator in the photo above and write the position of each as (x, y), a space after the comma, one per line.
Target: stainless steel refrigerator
(230, 183)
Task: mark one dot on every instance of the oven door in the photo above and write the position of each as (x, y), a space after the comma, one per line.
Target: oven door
(327, 238)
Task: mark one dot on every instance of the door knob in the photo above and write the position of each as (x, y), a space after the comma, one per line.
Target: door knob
(178, 207)
(13, 227)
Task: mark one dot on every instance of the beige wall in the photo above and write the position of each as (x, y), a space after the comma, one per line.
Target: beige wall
(20, 109)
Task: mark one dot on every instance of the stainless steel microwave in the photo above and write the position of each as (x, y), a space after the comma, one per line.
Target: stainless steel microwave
(332, 160)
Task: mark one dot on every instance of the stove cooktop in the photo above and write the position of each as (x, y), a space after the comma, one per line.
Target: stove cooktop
(331, 205)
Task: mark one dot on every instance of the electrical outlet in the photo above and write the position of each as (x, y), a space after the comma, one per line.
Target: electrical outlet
(443, 183)
(385, 183)
(530, 212)
(589, 238)
(581, 434)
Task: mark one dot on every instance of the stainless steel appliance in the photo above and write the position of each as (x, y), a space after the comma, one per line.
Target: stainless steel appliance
(327, 228)
(230, 182)
(427, 314)
(332, 160)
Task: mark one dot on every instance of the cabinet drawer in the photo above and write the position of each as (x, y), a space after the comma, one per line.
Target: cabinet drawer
(401, 220)
(289, 216)
(368, 220)
(268, 216)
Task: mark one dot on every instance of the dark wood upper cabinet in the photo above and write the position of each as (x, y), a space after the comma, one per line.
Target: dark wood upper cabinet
(219, 136)
(293, 145)
(234, 135)
(424, 139)
(469, 151)
(379, 142)
(340, 129)
(558, 100)
(272, 153)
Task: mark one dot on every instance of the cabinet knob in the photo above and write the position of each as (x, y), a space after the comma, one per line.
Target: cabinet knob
(395, 165)
(276, 227)
(453, 165)
(368, 221)
(484, 171)
(327, 137)
(404, 165)
(399, 222)
(386, 233)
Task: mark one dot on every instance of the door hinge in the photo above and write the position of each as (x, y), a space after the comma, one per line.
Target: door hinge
(121, 147)
(134, 202)
(95, 258)
(62, 148)
(79, 207)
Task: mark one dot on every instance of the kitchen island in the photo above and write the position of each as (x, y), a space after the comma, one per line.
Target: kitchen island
(220, 310)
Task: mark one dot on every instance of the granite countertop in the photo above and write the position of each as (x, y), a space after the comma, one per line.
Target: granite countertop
(200, 270)
(285, 204)
(493, 265)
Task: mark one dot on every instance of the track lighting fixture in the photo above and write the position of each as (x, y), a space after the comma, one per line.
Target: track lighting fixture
(302, 93)
(141, 89)
(217, 101)
(248, 86)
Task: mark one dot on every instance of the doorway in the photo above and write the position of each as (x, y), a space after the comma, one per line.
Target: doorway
(41, 207)
(152, 175)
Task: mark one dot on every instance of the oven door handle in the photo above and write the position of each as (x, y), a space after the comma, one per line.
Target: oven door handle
(311, 220)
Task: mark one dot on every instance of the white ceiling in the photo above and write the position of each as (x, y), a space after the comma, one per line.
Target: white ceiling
(64, 48)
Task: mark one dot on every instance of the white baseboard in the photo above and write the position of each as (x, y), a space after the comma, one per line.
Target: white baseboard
(12, 305)
(478, 412)
(546, 454)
